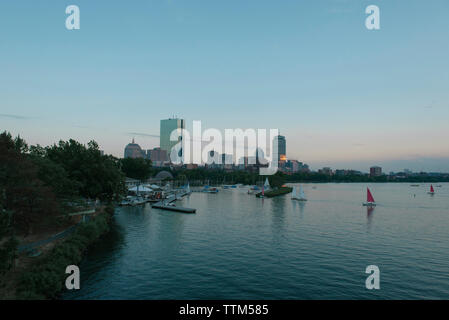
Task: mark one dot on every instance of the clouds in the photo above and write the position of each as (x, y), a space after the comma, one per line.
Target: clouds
(15, 116)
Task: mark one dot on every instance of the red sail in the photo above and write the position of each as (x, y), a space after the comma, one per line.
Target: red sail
(431, 189)
(369, 197)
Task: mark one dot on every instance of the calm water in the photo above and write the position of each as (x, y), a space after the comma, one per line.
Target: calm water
(241, 247)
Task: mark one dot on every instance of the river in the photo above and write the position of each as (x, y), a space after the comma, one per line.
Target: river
(238, 246)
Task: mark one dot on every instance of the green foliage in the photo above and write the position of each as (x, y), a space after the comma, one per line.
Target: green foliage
(95, 175)
(24, 195)
(8, 252)
(54, 175)
(276, 192)
(277, 180)
(47, 277)
(136, 168)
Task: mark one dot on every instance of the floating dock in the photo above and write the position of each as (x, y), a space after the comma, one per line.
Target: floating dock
(161, 205)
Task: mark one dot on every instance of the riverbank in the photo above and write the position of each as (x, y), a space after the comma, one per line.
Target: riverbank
(44, 277)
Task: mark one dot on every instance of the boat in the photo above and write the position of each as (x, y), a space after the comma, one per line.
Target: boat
(262, 195)
(432, 191)
(127, 201)
(369, 199)
(267, 184)
(298, 196)
(208, 189)
(137, 201)
(414, 185)
(188, 189)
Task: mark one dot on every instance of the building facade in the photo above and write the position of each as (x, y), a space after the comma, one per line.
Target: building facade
(166, 128)
(375, 171)
(280, 145)
(133, 150)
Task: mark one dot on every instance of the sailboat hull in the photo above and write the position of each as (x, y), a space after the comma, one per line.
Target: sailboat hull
(299, 199)
(369, 204)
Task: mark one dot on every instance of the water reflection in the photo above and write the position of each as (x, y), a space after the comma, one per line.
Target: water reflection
(170, 227)
(277, 210)
(369, 216)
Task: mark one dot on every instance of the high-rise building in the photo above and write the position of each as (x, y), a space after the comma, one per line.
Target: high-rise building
(279, 145)
(157, 154)
(167, 127)
(133, 150)
(375, 171)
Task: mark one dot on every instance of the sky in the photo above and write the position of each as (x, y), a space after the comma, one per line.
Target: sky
(344, 96)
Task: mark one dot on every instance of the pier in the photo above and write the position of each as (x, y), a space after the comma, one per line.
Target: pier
(171, 207)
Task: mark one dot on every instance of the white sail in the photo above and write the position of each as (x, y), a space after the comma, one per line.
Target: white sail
(188, 188)
(302, 195)
(267, 184)
(294, 194)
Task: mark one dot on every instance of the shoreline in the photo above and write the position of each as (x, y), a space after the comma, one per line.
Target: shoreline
(43, 277)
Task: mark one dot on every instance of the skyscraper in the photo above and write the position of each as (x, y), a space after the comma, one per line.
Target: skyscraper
(167, 127)
(279, 145)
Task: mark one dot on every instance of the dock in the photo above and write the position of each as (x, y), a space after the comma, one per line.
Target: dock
(161, 205)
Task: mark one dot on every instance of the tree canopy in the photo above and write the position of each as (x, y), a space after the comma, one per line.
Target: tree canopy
(136, 168)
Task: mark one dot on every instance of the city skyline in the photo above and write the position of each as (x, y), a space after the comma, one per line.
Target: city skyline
(343, 96)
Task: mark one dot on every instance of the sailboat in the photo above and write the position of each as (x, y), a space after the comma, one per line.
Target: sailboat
(267, 184)
(369, 199)
(298, 196)
(432, 191)
(188, 188)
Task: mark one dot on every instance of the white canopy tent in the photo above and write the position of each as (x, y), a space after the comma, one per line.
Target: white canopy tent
(140, 189)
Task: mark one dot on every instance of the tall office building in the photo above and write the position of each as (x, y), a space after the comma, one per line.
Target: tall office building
(279, 144)
(167, 127)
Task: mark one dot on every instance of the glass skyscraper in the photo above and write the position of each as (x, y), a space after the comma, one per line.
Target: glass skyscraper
(279, 145)
(167, 127)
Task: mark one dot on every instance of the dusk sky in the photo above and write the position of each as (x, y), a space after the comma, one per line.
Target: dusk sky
(344, 96)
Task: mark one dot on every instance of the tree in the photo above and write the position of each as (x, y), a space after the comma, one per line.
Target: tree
(94, 175)
(136, 168)
(277, 180)
(26, 198)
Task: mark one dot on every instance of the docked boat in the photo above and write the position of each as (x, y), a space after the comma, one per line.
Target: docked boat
(369, 199)
(126, 202)
(208, 189)
(300, 196)
(135, 201)
(253, 189)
